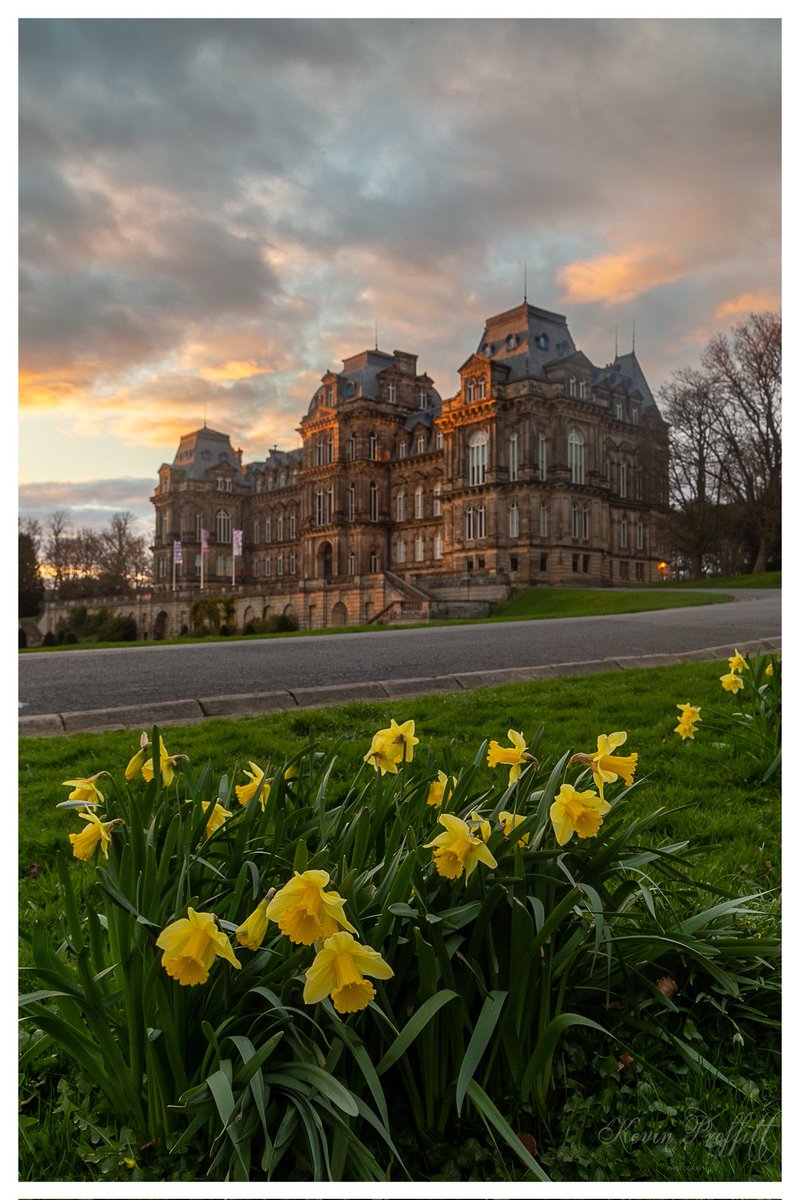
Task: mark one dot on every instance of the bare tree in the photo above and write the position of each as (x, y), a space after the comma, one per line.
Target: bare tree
(57, 547)
(123, 555)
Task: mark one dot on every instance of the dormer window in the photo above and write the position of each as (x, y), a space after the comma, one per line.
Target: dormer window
(423, 399)
(581, 389)
(392, 393)
(469, 393)
(618, 410)
(420, 443)
(481, 389)
(332, 395)
(572, 386)
(402, 449)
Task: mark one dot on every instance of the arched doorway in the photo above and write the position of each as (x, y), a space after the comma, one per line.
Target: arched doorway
(339, 614)
(160, 627)
(325, 561)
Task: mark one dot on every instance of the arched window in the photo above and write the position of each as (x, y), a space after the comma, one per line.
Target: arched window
(542, 457)
(623, 479)
(420, 443)
(575, 456)
(222, 525)
(623, 533)
(292, 525)
(319, 507)
(575, 527)
(402, 449)
(480, 530)
(469, 523)
(419, 502)
(477, 458)
(437, 545)
(639, 534)
(319, 450)
(513, 457)
(373, 501)
(513, 520)
(543, 518)
(329, 449)
(255, 529)
(351, 443)
(374, 561)
(400, 506)
(351, 502)
(469, 391)
(280, 528)
(391, 392)
(351, 563)
(481, 389)
(437, 500)
(585, 521)
(373, 446)
(419, 548)
(400, 551)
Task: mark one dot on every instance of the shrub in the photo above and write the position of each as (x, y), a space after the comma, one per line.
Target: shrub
(496, 910)
(70, 638)
(281, 623)
(23, 638)
(49, 638)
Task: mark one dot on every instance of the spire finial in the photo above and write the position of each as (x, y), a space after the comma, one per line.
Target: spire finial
(376, 333)
(616, 348)
(633, 341)
(525, 283)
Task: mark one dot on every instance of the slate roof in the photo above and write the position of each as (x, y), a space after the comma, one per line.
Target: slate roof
(526, 339)
(203, 449)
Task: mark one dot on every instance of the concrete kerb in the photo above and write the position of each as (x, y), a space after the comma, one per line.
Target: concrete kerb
(186, 712)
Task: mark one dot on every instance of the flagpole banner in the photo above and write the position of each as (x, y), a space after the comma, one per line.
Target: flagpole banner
(237, 542)
(204, 541)
(177, 552)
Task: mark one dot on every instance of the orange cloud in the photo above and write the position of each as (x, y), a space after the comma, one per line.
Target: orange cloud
(46, 389)
(227, 372)
(617, 278)
(749, 302)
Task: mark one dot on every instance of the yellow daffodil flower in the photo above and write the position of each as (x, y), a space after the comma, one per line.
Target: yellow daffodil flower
(731, 682)
(577, 812)
(250, 933)
(514, 755)
(737, 662)
(768, 670)
(457, 848)
(305, 912)
(246, 791)
(167, 765)
(86, 790)
(689, 712)
(509, 822)
(479, 825)
(338, 971)
(685, 729)
(392, 746)
(190, 946)
(95, 833)
(689, 718)
(606, 766)
(217, 817)
(437, 789)
(135, 765)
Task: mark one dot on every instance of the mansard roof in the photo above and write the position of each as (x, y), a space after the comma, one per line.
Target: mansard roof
(526, 339)
(626, 369)
(200, 451)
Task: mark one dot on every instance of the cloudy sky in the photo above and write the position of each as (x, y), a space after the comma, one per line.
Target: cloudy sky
(214, 212)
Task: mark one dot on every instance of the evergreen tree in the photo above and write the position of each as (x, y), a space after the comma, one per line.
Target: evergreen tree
(31, 588)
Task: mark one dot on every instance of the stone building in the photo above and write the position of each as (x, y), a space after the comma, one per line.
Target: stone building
(542, 469)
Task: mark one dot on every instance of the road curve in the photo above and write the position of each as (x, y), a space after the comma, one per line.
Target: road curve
(102, 679)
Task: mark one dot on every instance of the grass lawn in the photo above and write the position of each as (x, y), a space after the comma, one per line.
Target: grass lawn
(764, 579)
(608, 1123)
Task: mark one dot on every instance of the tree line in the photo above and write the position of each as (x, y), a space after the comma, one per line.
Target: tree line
(73, 564)
(725, 452)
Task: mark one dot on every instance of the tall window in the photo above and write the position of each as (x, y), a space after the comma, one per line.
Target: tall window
(222, 525)
(255, 529)
(392, 393)
(373, 501)
(400, 506)
(513, 457)
(543, 518)
(292, 525)
(575, 456)
(623, 533)
(585, 521)
(400, 551)
(268, 529)
(319, 450)
(423, 399)
(623, 479)
(575, 521)
(513, 520)
(480, 524)
(542, 457)
(351, 502)
(419, 498)
(477, 459)
(280, 528)
(420, 443)
(351, 443)
(469, 523)
(329, 449)
(437, 545)
(470, 391)
(639, 534)
(373, 446)
(319, 508)
(351, 563)
(198, 525)
(437, 499)
(402, 449)
(581, 389)
(481, 389)
(292, 563)
(572, 387)
(439, 439)
(419, 548)
(373, 561)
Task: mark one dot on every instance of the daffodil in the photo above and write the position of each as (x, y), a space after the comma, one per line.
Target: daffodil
(305, 912)
(768, 670)
(246, 791)
(437, 789)
(509, 822)
(392, 746)
(167, 764)
(731, 682)
(577, 812)
(514, 755)
(685, 729)
(250, 933)
(689, 718)
(190, 946)
(216, 818)
(458, 848)
(135, 765)
(606, 766)
(479, 824)
(86, 790)
(95, 833)
(737, 662)
(338, 971)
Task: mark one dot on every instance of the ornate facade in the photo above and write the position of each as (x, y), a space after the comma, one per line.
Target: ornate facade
(542, 469)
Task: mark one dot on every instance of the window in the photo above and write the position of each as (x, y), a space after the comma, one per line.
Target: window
(575, 456)
(420, 443)
(469, 523)
(542, 562)
(292, 525)
(351, 563)
(581, 389)
(576, 562)
(623, 479)
(400, 551)
(329, 449)
(437, 500)
(319, 507)
(639, 534)
(439, 439)
(292, 564)
(391, 393)
(268, 567)
(586, 564)
(255, 529)
(513, 457)
(480, 528)
(618, 410)
(373, 446)
(373, 561)
(222, 525)
(351, 443)
(268, 529)
(423, 399)
(543, 518)
(280, 564)
(481, 389)
(279, 532)
(637, 487)
(403, 448)
(585, 522)
(400, 506)
(513, 564)
(437, 545)
(319, 450)
(623, 533)
(477, 459)
(572, 386)
(162, 568)
(419, 503)
(351, 502)
(575, 525)
(222, 566)
(635, 414)
(419, 548)
(513, 520)
(373, 501)
(332, 395)
(624, 570)
(542, 457)
(469, 391)
(640, 571)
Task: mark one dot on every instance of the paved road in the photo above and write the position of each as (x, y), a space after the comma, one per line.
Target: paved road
(94, 679)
